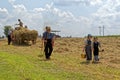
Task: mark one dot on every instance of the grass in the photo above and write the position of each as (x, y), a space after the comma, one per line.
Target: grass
(109, 36)
(23, 63)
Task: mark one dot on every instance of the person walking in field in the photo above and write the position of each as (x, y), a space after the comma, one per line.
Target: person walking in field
(88, 47)
(9, 36)
(96, 46)
(48, 41)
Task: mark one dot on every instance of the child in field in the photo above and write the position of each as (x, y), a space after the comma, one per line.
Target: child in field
(88, 47)
(96, 46)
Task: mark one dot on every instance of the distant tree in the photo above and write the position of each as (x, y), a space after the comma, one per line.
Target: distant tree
(6, 29)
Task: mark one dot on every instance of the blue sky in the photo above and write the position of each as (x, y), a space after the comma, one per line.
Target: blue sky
(72, 17)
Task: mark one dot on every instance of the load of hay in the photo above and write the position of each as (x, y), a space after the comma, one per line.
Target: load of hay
(22, 35)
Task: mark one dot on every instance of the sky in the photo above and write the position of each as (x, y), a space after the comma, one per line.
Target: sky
(75, 18)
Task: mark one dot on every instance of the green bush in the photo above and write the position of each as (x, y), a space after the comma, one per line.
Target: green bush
(6, 29)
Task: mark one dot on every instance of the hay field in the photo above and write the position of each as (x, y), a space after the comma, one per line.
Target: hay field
(28, 62)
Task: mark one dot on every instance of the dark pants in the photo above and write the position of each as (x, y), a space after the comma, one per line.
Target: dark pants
(48, 49)
(96, 53)
(9, 39)
(88, 51)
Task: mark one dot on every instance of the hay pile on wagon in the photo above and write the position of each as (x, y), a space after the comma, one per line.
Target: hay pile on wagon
(22, 35)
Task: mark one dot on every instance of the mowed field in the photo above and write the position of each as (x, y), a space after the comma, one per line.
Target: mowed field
(28, 62)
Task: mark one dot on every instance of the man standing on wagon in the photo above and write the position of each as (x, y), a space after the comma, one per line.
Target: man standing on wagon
(20, 23)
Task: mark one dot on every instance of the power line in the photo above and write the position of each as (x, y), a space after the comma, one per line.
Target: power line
(101, 29)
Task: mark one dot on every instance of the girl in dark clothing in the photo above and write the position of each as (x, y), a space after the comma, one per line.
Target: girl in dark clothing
(96, 46)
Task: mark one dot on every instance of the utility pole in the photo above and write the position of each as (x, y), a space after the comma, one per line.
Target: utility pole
(100, 30)
(103, 30)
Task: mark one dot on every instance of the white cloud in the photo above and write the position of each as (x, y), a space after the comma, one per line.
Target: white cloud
(3, 17)
(11, 1)
(78, 2)
(96, 2)
(61, 20)
(3, 14)
(49, 6)
(20, 7)
(109, 9)
(49, 15)
(108, 14)
(38, 9)
(68, 2)
(3, 10)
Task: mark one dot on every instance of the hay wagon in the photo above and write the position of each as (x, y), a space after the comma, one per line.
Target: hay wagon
(22, 35)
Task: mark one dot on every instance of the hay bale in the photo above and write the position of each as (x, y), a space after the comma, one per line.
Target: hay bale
(22, 35)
